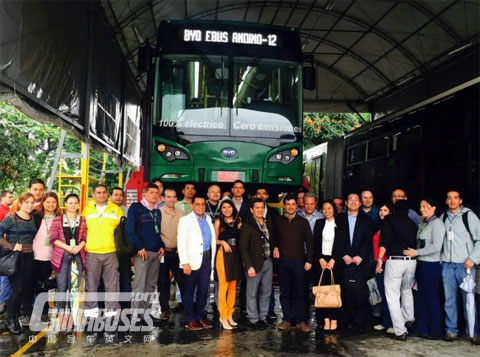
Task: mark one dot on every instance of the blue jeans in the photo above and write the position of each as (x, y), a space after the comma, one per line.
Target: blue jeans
(453, 275)
(5, 289)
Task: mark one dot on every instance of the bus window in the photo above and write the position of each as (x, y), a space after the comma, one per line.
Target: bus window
(266, 99)
(357, 153)
(194, 95)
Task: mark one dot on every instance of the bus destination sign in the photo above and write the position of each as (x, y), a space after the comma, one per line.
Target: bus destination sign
(234, 37)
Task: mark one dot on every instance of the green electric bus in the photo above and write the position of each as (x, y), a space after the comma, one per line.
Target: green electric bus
(226, 104)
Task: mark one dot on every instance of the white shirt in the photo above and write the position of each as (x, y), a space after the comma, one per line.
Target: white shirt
(100, 209)
(328, 236)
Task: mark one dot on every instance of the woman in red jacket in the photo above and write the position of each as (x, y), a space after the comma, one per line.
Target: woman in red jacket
(68, 237)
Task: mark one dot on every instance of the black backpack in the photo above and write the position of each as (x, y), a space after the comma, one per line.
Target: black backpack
(464, 219)
(123, 245)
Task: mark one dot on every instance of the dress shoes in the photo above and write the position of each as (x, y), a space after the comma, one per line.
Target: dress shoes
(284, 325)
(402, 337)
(193, 326)
(203, 324)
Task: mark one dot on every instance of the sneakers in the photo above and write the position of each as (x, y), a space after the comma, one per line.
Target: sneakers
(302, 326)
(390, 331)
(13, 326)
(378, 327)
(284, 325)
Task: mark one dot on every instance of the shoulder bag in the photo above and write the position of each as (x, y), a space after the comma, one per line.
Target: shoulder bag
(327, 296)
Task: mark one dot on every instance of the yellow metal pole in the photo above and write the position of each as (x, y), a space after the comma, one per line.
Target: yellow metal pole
(84, 172)
(59, 178)
(120, 177)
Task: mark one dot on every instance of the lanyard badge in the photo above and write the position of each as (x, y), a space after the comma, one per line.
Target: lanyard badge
(154, 217)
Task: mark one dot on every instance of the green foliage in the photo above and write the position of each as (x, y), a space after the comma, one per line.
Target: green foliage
(321, 127)
(28, 147)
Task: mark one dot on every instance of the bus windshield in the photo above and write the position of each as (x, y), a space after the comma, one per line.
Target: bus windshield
(204, 98)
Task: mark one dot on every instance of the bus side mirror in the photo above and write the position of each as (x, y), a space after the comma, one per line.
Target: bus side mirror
(144, 58)
(309, 78)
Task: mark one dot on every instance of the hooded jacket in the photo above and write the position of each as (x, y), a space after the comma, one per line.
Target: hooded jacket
(463, 245)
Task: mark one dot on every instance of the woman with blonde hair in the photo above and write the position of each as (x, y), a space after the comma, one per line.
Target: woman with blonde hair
(19, 230)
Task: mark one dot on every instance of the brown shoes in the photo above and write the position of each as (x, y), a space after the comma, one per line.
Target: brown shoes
(302, 326)
(193, 326)
(284, 325)
(203, 324)
(164, 316)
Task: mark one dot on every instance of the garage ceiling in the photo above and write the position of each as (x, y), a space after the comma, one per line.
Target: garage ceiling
(363, 50)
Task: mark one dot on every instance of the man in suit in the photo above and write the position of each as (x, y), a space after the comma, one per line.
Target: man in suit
(243, 208)
(270, 215)
(241, 204)
(255, 246)
(355, 231)
(196, 249)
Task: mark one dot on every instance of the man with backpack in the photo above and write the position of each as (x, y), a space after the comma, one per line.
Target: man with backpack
(460, 252)
(143, 231)
(124, 264)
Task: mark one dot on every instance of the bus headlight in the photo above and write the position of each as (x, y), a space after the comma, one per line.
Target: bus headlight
(285, 157)
(171, 153)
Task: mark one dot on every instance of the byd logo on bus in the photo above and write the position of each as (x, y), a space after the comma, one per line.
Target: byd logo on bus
(229, 153)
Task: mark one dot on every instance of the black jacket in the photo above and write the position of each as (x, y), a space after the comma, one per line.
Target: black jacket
(362, 237)
(317, 243)
(251, 245)
(244, 212)
(399, 232)
(37, 218)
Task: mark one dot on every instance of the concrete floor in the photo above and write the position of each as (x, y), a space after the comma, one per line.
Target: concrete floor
(174, 340)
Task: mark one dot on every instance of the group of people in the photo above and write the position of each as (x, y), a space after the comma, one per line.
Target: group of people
(410, 258)
(47, 240)
(245, 242)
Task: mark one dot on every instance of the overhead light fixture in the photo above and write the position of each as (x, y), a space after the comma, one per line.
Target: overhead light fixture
(461, 48)
(329, 5)
(139, 37)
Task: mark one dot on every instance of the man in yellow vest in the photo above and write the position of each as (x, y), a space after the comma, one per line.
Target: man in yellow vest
(102, 218)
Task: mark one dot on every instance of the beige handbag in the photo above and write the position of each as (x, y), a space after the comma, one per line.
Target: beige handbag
(327, 296)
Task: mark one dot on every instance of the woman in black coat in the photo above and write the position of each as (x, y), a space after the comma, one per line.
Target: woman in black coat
(327, 249)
